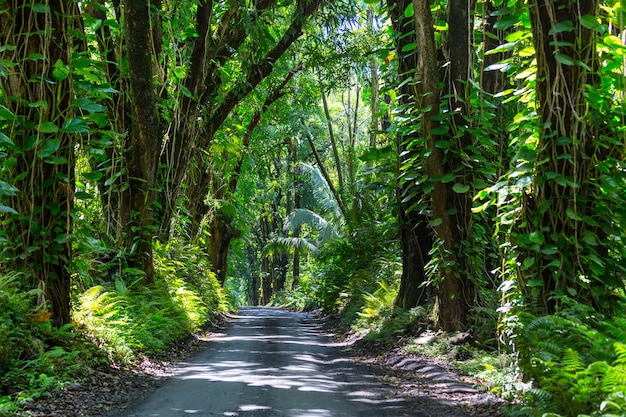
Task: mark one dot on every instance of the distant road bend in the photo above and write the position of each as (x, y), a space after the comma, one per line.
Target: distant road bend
(274, 363)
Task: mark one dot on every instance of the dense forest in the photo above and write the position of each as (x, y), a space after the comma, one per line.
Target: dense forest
(455, 166)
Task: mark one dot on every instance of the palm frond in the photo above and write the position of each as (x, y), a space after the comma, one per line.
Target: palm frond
(322, 191)
(288, 245)
(298, 217)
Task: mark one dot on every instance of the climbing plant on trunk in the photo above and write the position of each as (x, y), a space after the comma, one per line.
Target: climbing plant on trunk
(415, 235)
(562, 231)
(37, 133)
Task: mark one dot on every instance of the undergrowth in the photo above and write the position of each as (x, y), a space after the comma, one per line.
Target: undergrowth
(35, 357)
(577, 362)
(116, 321)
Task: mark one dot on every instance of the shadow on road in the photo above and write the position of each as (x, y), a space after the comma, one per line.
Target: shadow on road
(276, 363)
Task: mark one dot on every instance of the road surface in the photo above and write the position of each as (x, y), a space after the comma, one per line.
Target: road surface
(268, 363)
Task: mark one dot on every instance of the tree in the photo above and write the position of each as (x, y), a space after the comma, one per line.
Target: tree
(415, 235)
(38, 126)
(560, 213)
(143, 147)
(450, 200)
(213, 96)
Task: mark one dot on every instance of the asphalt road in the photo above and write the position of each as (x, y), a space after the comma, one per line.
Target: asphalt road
(274, 363)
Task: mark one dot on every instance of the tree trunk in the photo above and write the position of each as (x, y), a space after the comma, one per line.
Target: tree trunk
(144, 142)
(40, 147)
(374, 85)
(266, 266)
(415, 235)
(553, 215)
(455, 289)
(333, 143)
(297, 184)
(221, 233)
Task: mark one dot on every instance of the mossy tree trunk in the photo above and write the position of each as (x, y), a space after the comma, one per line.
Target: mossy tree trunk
(38, 132)
(143, 146)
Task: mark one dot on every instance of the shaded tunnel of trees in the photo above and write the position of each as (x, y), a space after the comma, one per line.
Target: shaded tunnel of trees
(462, 157)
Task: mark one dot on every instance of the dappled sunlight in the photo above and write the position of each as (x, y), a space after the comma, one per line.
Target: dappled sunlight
(270, 364)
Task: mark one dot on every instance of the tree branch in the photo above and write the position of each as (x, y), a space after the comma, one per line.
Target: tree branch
(259, 71)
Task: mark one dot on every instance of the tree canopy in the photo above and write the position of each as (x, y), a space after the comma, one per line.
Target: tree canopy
(457, 164)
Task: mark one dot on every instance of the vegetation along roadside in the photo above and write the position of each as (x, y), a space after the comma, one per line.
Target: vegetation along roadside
(447, 178)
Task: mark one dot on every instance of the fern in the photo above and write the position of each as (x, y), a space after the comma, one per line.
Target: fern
(620, 350)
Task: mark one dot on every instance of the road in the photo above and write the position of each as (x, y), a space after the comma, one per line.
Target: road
(268, 363)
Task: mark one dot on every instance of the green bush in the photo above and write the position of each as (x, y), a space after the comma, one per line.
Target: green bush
(114, 321)
(350, 269)
(300, 298)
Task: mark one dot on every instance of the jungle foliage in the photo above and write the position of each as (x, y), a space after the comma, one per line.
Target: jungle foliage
(444, 166)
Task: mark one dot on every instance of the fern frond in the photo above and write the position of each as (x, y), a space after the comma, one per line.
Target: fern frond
(571, 361)
(620, 351)
(614, 380)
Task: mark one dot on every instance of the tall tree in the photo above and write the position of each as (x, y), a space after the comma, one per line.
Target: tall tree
(559, 214)
(415, 235)
(37, 131)
(214, 95)
(450, 200)
(143, 147)
(220, 180)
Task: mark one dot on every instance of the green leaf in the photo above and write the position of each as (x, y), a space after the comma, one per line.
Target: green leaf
(7, 209)
(82, 195)
(41, 8)
(449, 177)
(528, 262)
(443, 144)
(564, 59)
(590, 238)
(536, 237)
(409, 11)
(48, 127)
(6, 114)
(100, 119)
(550, 250)
(92, 176)
(55, 160)
(564, 26)
(7, 189)
(30, 143)
(441, 130)
(186, 92)
(556, 263)
(87, 105)
(409, 47)
(435, 222)
(572, 214)
(60, 70)
(75, 126)
(49, 147)
(5, 140)
(460, 188)
(506, 22)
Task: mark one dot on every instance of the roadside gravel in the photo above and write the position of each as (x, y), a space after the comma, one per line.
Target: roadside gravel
(419, 380)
